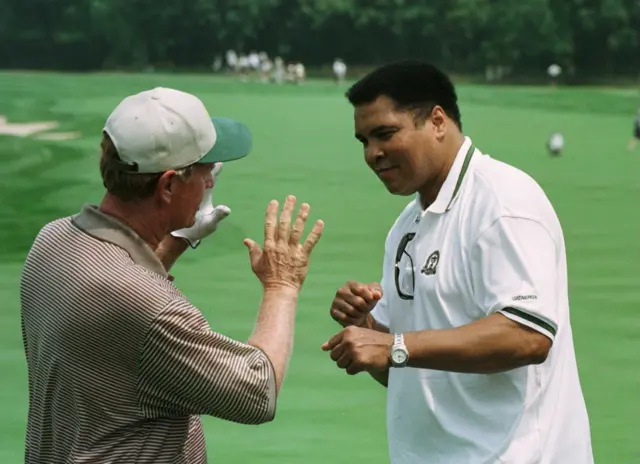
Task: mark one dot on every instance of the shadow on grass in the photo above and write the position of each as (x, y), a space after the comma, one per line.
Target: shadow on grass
(32, 191)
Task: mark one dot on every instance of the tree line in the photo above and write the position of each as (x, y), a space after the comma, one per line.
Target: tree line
(589, 39)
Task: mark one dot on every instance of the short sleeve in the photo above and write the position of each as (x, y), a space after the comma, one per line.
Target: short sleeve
(186, 368)
(515, 272)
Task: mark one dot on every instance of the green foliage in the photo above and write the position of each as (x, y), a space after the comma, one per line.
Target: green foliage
(588, 38)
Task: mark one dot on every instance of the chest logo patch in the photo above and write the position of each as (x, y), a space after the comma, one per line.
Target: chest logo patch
(431, 265)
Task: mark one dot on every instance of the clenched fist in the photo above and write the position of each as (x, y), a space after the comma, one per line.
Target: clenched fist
(360, 350)
(353, 302)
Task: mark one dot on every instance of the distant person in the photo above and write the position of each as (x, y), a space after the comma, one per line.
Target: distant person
(232, 61)
(120, 363)
(636, 132)
(217, 64)
(554, 72)
(469, 329)
(555, 145)
(279, 70)
(243, 67)
(265, 69)
(299, 73)
(339, 70)
(254, 62)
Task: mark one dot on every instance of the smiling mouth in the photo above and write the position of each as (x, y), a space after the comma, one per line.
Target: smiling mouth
(381, 170)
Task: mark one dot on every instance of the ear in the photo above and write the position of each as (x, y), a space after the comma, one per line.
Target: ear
(439, 121)
(166, 185)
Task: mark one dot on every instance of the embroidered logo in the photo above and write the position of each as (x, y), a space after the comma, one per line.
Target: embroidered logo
(431, 265)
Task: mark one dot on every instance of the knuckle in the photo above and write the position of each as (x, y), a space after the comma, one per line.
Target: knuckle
(269, 246)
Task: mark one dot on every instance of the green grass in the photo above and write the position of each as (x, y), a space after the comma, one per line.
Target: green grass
(304, 146)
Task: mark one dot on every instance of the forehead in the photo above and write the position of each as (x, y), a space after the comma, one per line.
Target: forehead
(381, 111)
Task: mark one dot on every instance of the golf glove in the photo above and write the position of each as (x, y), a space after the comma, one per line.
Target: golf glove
(208, 217)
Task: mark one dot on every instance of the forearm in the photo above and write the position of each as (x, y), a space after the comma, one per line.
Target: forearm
(490, 345)
(382, 377)
(274, 328)
(170, 249)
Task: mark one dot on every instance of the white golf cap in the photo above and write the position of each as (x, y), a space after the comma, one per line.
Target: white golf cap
(162, 129)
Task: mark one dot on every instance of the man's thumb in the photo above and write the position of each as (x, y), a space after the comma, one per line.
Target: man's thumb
(252, 247)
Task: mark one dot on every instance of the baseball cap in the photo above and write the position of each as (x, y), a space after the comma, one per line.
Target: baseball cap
(161, 129)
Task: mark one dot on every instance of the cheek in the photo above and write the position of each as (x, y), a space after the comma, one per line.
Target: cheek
(402, 152)
(190, 198)
(196, 195)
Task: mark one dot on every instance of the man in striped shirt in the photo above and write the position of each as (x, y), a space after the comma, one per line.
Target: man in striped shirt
(120, 364)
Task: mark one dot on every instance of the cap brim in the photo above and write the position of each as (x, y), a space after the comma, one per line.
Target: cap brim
(233, 141)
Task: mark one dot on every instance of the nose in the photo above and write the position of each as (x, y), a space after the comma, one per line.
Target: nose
(208, 180)
(372, 153)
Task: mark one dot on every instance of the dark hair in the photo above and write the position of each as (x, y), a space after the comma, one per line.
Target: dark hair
(126, 186)
(413, 85)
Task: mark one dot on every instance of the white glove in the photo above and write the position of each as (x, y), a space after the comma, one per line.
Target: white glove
(207, 217)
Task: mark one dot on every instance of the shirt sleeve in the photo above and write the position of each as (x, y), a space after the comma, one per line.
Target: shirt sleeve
(186, 368)
(515, 272)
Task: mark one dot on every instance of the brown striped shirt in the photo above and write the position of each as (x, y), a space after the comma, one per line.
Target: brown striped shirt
(120, 364)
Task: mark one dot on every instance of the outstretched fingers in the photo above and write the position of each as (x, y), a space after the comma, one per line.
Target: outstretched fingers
(270, 223)
(284, 224)
(313, 237)
(298, 225)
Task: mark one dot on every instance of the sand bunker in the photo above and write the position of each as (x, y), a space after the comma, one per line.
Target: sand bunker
(31, 128)
(59, 136)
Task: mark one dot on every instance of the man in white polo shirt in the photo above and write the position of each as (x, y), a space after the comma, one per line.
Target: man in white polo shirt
(469, 328)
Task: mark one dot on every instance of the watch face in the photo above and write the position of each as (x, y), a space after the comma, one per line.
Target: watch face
(399, 356)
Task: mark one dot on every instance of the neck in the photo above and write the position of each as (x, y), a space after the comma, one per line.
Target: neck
(137, 216)
(450, 148)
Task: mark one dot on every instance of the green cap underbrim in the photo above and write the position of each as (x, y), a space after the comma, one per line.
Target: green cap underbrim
(233, 141)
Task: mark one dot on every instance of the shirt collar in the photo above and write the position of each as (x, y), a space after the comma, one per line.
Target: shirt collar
(108, 229)
(452, 185)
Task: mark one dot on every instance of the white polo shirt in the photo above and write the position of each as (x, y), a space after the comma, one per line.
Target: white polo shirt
(491, 242)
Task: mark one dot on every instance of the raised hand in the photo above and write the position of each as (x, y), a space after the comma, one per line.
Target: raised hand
(283, 261)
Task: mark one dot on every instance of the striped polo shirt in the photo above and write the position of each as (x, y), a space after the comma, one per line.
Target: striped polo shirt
(120, 364)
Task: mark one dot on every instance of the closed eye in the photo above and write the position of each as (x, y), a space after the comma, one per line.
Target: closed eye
(362, 140)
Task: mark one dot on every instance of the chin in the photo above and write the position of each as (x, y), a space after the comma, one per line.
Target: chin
(187, 224)
(400, 190)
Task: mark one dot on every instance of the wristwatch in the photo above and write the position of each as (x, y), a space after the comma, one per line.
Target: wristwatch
(399, 354)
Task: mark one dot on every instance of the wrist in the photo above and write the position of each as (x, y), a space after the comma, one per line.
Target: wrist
(398, 351)
(175, 243)
(281, 292)
(368, 322)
